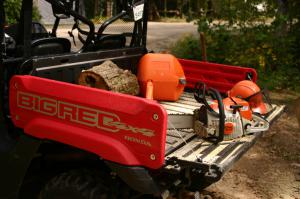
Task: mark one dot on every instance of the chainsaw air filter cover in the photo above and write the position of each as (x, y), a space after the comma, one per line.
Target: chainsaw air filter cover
(161, 77)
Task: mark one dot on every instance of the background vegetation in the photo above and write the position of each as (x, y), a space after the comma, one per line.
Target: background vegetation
(263, 34)
(13, 8)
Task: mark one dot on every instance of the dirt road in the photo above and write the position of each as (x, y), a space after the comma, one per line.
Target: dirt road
(160, 35)
(271, 169)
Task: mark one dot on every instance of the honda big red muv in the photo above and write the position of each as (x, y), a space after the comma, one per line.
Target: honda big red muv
(186, 124)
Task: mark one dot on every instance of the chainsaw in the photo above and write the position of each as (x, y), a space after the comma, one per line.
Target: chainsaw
(221, 119)
(224, 119)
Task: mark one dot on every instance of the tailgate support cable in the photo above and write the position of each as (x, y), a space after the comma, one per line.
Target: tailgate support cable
(173, 127)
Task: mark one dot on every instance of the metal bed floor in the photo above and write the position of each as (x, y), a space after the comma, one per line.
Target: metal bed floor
(188, 147)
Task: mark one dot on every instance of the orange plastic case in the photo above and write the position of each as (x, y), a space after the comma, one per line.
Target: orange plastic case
(161, 77)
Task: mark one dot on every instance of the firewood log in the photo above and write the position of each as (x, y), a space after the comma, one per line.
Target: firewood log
(109, 76)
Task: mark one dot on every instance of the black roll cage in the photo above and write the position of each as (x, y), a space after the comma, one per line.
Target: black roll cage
(68, 11)
(24, 38)
(2, 42)
(2, 54)
(25, 30)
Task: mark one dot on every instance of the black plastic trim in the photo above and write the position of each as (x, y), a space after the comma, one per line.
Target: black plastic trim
(14, 166)
(138, 178)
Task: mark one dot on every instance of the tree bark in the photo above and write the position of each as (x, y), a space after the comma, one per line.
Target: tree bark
(109, 7)
(282, 11)
(82, 8)
(203, 46)
(96, 8)
(153, 12)
(109, 76)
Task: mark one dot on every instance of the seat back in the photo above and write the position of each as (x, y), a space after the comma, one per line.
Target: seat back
(108, 42)
(50, 46)
(38, 31)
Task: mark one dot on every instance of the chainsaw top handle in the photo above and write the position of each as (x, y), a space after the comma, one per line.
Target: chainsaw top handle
(200, 92)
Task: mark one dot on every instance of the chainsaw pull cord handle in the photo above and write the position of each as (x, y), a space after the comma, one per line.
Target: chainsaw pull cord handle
(216, 95)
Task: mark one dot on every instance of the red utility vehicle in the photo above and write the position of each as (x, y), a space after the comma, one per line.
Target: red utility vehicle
(60, 140)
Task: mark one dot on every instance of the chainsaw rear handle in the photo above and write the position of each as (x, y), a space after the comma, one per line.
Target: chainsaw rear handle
(215, 94)
(200, 92)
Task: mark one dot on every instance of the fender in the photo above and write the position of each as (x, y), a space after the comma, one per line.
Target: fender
(119, 128)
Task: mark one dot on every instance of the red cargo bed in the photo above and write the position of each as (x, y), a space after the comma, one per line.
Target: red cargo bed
(219, 76)
(120, 128)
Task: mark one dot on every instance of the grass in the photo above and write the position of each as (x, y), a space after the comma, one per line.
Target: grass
(172, 20)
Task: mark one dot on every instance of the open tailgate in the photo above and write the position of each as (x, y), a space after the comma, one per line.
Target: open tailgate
(185, 149)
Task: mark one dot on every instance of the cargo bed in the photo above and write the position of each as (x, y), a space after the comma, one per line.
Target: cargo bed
(183, 147)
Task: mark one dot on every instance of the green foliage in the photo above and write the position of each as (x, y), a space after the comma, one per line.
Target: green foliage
(89, 8)
(187, 47)
(36, 16)
(98, 12)
(13, 8)
(242, 35)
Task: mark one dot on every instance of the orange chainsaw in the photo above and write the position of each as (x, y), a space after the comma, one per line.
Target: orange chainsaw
(224, 119)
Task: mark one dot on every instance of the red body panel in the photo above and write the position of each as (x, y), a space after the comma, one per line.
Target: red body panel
(120, 128)
(218, 76)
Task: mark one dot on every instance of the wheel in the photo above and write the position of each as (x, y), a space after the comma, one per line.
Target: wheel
(78, 184)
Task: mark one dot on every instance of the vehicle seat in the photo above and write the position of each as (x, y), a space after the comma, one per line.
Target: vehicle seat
(38, 31)
(42, 42)
(50, 46)
(108, 42)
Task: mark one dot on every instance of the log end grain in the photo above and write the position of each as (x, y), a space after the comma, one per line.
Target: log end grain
(109, 76)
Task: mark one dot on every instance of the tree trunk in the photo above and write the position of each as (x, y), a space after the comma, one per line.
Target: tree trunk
(209, 12)
(165, 8)
(109, 8)
(153, 12)
(82, 7)
(109, 76)
(282, 11)
(96, 8)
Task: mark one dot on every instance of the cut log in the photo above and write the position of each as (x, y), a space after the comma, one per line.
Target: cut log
(109, 76)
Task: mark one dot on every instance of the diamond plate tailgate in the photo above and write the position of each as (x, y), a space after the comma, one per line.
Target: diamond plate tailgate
(185, 148)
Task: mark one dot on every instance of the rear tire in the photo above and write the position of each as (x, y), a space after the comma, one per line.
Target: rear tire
(78, 184)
